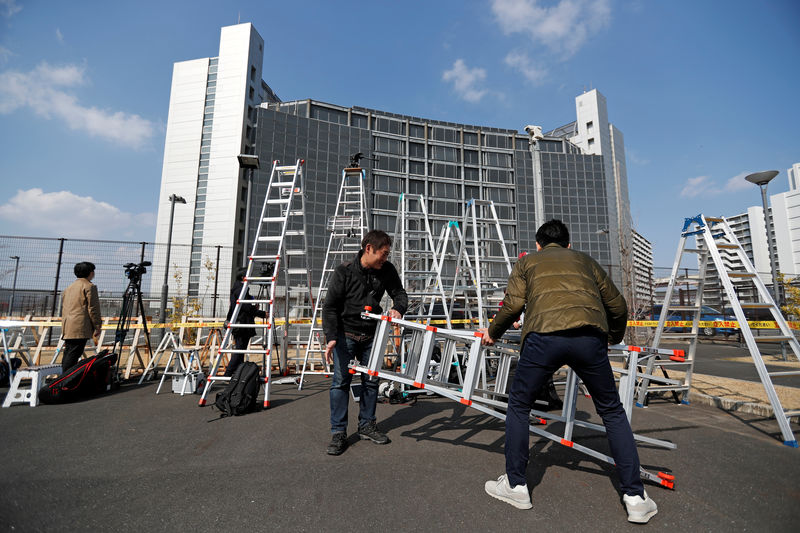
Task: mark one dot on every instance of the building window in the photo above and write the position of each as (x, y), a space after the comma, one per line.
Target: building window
(252, 93)
(252, 73)
(591, 142)
(589, 126)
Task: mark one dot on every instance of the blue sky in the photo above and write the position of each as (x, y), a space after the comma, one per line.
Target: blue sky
(703, 91)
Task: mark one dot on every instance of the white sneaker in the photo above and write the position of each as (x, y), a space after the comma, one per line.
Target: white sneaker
(640, 510)
(500, 489)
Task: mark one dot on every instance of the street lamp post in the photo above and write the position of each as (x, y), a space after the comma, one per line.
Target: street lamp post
(165, 287)
(247, 162)
(14, 286)
(762, 179)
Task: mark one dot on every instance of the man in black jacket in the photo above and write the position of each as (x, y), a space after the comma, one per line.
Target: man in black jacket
(354, 285)
(247, 315)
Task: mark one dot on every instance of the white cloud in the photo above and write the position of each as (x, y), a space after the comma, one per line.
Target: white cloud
(44, 90)
(9, 8)
(466, 81)
(738, 183)
(634, 157)
(59, 35)
(562, 28)
(522, 63)
(65, 214)
(699, 186)
(5, 54)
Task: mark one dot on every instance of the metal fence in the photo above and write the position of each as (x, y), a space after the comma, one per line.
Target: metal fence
(34, 271)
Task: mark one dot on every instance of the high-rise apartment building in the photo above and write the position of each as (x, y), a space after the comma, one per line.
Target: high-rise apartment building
(220, 107)
(642, 272)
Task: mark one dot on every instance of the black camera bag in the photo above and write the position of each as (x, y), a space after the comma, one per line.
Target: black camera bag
(87, 378)
(239, 397)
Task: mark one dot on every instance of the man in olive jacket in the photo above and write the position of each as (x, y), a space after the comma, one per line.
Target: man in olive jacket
(572, 312)
(80, 314)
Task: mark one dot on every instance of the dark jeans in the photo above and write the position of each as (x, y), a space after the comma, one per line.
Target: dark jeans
(586, 352)
(239, 343)
(73, 350)
(347, 349)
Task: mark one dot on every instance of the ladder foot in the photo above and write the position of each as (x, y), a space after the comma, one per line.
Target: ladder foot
(790, 443)
(641, 405)
(685, 402)
(201, 403)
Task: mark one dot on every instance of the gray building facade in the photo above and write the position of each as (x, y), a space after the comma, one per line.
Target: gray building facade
(448, 163)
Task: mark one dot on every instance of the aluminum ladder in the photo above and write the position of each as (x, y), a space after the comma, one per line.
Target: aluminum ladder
(493, 403)
(278, 267)
(717, 235)
(679, 387)
(348, 226)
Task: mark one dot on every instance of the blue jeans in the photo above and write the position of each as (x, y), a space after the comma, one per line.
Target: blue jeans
(586, 352)
(347, 349)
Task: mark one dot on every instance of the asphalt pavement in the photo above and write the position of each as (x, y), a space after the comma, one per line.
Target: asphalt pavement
(135, 461)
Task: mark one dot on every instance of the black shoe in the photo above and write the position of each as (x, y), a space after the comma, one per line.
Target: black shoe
(370, 432)
(338, 443)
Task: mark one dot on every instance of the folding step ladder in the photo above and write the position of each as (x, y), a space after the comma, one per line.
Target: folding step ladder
(418, 263)
(278, 266)
(483, 263)
(679, 387)
(348, 226)
(495, 403)
(716, 236)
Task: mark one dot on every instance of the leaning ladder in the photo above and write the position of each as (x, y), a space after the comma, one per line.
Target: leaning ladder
(347, 227)
(279, 254)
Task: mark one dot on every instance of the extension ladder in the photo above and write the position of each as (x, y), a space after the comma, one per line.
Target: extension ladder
(716, 236)
(279, 254)
(491, 401)
(348, 226)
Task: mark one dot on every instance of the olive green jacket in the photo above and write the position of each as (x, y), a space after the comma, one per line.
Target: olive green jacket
(561, 289)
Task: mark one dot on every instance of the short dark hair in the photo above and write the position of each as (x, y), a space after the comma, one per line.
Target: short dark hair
(553, 231)
(83, 269)
(377, 238)
(240, 274)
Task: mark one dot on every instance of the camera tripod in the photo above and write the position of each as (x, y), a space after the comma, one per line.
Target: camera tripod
(131, 302)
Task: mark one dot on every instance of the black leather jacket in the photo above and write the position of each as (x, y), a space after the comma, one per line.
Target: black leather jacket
(352, 287)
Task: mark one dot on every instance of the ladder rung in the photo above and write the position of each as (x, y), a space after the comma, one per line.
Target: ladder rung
(654, 388)
(269, 258)
(287, 169)
(278, 201)
(756, 305)
(270, 238)
(259, 279)
(295, 252)
(254, 302)
(273, 219)
(226, 350)
(785, 373)
(740, 275)
(791, 413)
(713, 219)
(677, 336)
(683, 307)
(292, 271)
(773, 338)
(283, 184)
(727, 246)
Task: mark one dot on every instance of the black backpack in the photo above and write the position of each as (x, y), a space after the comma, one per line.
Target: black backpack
(88, 377)
(239, 397)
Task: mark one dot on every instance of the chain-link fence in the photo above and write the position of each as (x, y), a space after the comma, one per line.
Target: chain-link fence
(34, 271)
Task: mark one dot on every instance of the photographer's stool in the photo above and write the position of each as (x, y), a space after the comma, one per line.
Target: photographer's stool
(36, 375)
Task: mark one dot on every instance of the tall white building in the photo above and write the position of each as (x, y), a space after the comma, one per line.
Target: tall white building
(786, 212)
(594, 134)
(211, 121)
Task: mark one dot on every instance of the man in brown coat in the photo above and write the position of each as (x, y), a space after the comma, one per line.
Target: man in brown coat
(572, 312)
(80, 314)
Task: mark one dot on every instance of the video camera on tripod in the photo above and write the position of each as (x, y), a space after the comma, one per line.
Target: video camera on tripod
(135, 270)
(131, 303)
